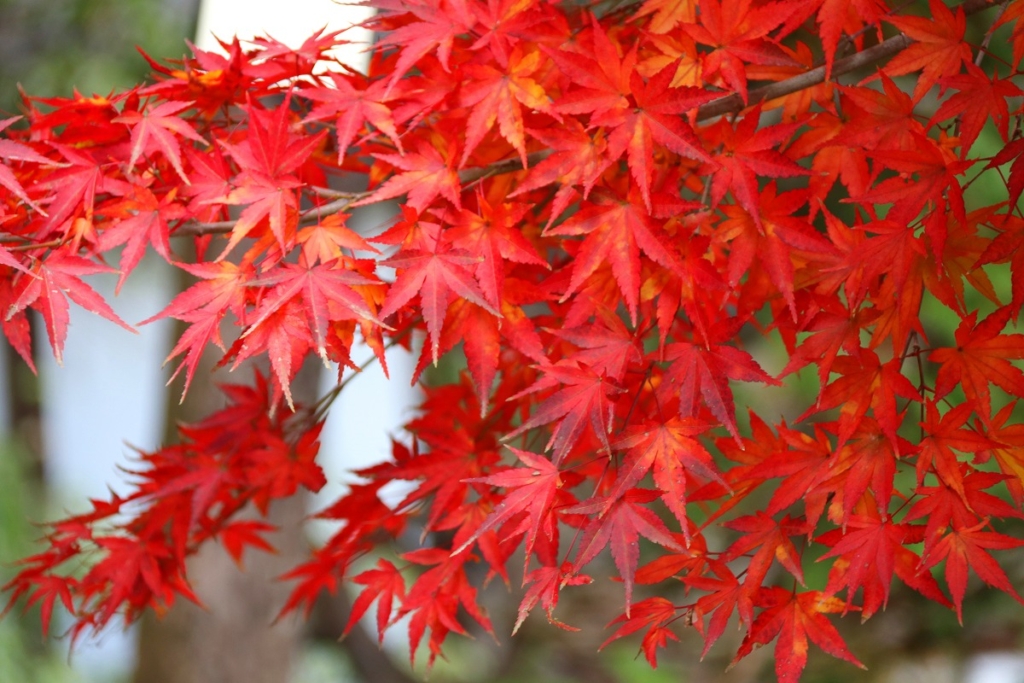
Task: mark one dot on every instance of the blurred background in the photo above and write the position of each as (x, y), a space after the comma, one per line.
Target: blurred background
(67, 431)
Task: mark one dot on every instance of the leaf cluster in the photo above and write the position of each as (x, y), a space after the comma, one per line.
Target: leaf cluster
(604, 211)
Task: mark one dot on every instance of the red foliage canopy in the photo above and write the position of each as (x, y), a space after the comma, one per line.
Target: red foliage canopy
(631, 220)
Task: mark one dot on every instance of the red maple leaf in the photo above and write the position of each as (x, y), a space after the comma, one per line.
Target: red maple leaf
(964, 548)
(705, 370)
(796, 618)
(354, 106)
(620, 526)
(269, 159)
(497, 95)
(737, 31)
(54, 280)
(748, 154)
(979, 98)
(670, 452)
(204, 305)
(155, 129)
(582, 397)
(382, 584)
(940, 48)
(982, 355)
(870, 552)
(617, 231)
(144, 222)
(436, 271)
(427, 173)
(534, 488)
(654, 614)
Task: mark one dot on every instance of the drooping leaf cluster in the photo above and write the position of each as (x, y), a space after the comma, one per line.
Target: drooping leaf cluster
(605, 211)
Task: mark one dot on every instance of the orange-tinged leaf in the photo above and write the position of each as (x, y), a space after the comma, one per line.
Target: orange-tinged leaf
(940, 48)
(498, 95)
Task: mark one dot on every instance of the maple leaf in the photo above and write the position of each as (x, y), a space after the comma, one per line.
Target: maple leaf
(269, 157)
(936, 168)
(747, 154)
(602, 79)
(605, 345)
(435, 271)
(771, 234)
(18, 152)
(796, 618)
(286, 336)
(617, 231)
(154, 129)
(204, 305)
(1007, 244)
(435, 28)
(1008, 450)
(53, 281)
(534, 490)
(964, 548)
(76, 185)
(383, 584)
(707, 370)
(427, 173)
(325, 291)
(771, 537)
(620, 527)
(667, 14)
(833, 17)
(737, 31)
(584, 396)
(940, 48)
(354, 106)
(942, 436)
(726, 594)
(980, 97)
(496, 95)
(982, 355)
(577, 157)
(238, 534)
(654, 120)
(870, 551)
(638, 114)
(805, 463)
(324, 241)
(146, 224)
(867, 460)
(943, 507)
(670, 451)
(654, 614)
(546, 582)
(434, 599)
(833, 328)
(494, 232)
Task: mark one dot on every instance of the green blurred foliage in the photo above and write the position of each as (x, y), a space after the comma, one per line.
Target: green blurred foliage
(50, 47)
